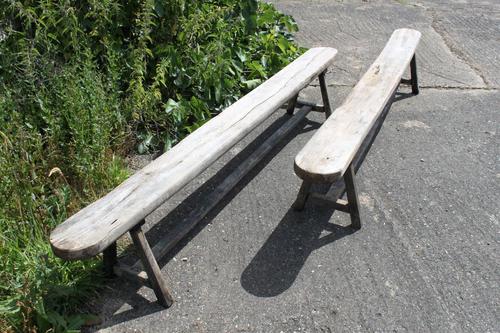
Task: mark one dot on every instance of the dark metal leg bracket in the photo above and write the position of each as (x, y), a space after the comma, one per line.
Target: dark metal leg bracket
(414, 78)
(324, 94)
(413, 81)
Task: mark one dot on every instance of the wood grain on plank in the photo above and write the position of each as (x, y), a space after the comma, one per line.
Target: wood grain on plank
(327, 155)
(92, 229)
(184, 226)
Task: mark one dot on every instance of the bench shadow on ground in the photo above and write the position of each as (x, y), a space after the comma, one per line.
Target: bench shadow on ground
(399, 96)
(277, 263)
(287, 248)
(138, 306)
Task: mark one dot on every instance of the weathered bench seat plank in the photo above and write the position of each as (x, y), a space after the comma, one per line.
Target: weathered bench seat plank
(328, 154)
(94, 228)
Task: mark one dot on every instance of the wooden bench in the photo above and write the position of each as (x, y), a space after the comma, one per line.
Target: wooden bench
(97, 227)
(337, 149)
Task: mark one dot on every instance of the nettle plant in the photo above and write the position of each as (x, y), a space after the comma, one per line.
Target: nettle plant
(218, 54)
(83, 84)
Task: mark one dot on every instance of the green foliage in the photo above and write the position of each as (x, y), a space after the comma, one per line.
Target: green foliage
(83, 84)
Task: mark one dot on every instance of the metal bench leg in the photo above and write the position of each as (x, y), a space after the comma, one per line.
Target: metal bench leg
(109, 260)
(414, 78)
(292, 103)
(324, 94)
(352, 197)
(151, 267)
(302, 196)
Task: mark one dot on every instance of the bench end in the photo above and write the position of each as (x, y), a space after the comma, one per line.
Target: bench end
(408, 31)
(70, 249)
(316, 177)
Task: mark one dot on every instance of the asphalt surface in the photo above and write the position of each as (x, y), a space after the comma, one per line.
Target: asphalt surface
(427, 256)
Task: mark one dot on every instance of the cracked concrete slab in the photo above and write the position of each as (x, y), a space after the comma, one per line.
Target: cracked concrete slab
(427, 256)
(474, 37)
(360, 29)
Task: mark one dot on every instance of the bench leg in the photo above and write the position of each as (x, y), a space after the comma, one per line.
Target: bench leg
(352, 197)
(151, 267)
(292, 103)
(324, 94)
(109, 260)
(302, 196)
(414, 78)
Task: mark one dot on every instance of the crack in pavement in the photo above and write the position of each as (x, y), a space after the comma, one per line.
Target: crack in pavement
(436, 87)
(453, 49)
(448, 78)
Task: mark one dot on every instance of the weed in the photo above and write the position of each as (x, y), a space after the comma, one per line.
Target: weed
(83, 84)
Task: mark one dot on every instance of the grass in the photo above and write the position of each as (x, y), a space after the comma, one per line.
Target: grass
(82, 85)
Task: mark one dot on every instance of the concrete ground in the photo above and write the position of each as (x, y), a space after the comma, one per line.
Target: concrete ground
(427, 256)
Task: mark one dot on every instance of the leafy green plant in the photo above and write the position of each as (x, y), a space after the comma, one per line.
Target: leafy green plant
(82, 85)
